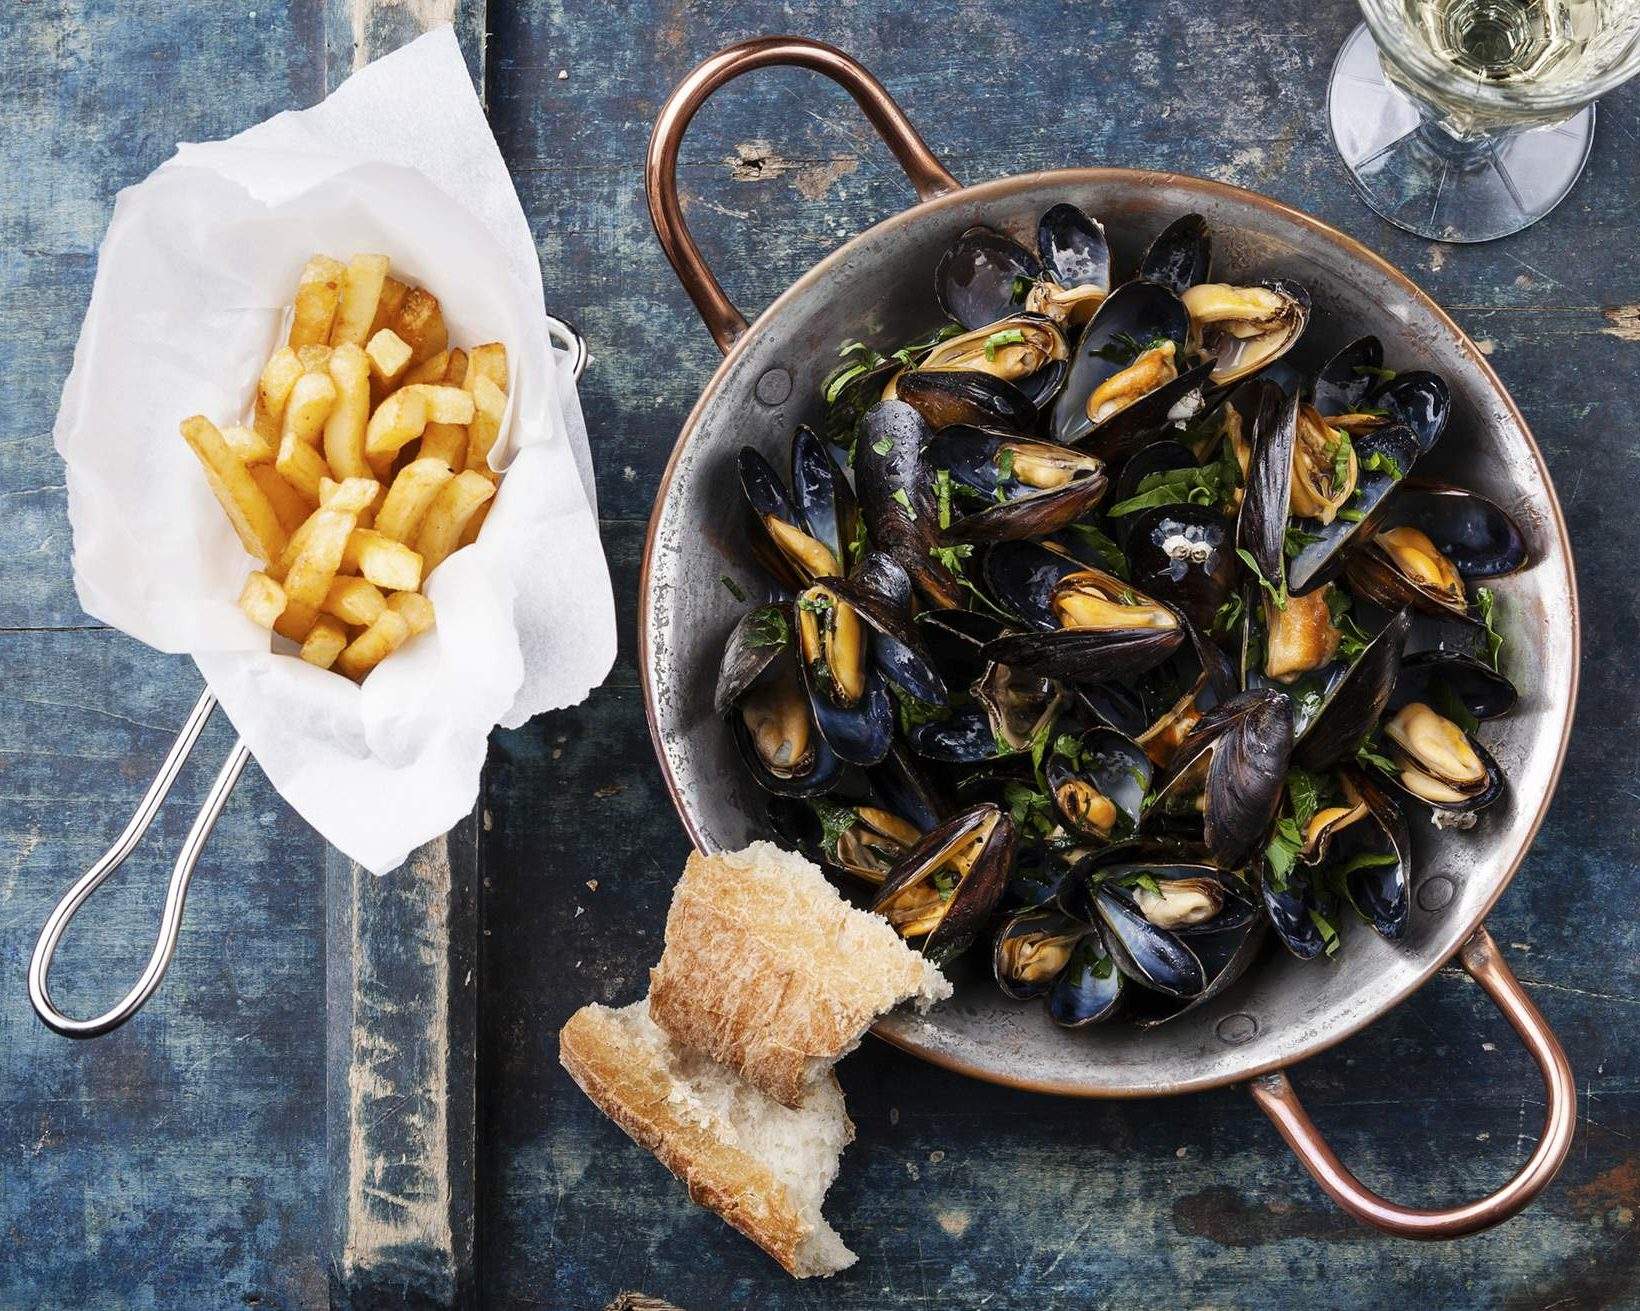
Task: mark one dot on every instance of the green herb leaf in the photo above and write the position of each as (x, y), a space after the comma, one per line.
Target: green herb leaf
(1121, 349)
(1352, 516)
(1380, 462)
(1373, 371)
(1005, 472)
(861, 543)
(883, 445)
(1281, 853)
(1278, 595)
(1069, 746)
(1329, 935)
(734, 587)
(914, 711)
(1295, 540)
(952, 556)
(1145, 879)
(815, 605)
(1205, 485)
(1228, 615)
(1364, 860)
(1486, 606)
(1447, 702)
(1007, 337)
(1367, 756)
(767, 626)
(1021, 287)
(942, 494)
(1304, 792)
(905, 503)
(835, 821)
(1341, 458)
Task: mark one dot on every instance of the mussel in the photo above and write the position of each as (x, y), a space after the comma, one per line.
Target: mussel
(1438, 763)
(761, 693)
(897, 500)
(940, 893)
(1246, 328)
(1012, 487)
(1098, 782)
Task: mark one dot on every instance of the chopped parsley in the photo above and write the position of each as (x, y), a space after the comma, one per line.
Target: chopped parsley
(815, 605)
(766, 626)
(1341, 458)
(1200, 485)
(835, 821)
(733, 587)
(914, 710)
(1485, 607)
(1007, 337)
(942, 496)
(952, 556)
(904, 500)
(1324, 926)
(1228, 615)
(1277, 594)
(1304, 791)
(1380, 462)
(1367, 756)
(1375, 371)
(1281, 853)
(883, 445)
(1109, 553)
(1295, 540)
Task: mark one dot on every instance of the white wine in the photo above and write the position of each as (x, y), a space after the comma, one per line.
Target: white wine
(1536, 43)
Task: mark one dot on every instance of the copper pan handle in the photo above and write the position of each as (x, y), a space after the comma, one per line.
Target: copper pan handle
(926, 173)
(1480, 956)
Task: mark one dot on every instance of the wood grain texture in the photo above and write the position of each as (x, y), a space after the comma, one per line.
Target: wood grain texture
(181, 1162)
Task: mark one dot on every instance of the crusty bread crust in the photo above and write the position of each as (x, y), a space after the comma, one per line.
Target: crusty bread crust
(631, 1085)
(770, 971)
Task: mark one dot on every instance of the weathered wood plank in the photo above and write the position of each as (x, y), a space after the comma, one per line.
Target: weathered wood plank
(402, 956)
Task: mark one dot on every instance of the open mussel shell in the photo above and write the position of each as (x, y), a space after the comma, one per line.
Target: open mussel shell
(773, 722)
(1422, 401)
(1436, 675)
(1100, 791)
(1228, 772)
(1292, 906)
(822, 495)
(1354, 704)
(1038, 875)
(759, 638)
(905, 788)
(1180, 256)
(1349, 377)
(1400, 566)
(780, 535)
(956, 638)
(945, 397)
(1117, 705)
(862, 840)
(859, 727)
(1373, 856)
(1271, 421)
(1027, 350)
(879, 591)
(1075, 253)
(1162, 456)
(1184, 555)
(1246, 328)
(1438, 763)
(984, 276)
(1132, 317)
(1395, 448)
(1087, 624)
(1026, 488)
(1155, 958)
(1165, 408)
(1477, 535)
(940, 894)
(896, 489)
(1009, 709)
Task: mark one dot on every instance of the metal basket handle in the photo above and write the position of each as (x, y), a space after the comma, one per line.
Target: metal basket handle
(565, 338)
(159, 960)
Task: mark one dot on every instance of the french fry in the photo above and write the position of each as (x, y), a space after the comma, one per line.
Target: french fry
(250, 446)
(246, 505)
(351, 495)
(446, 443)
(488, 361)
(314, 359)
(407, 500)
(311, 400)
(321, 268)
(296, 621)
(397, 422)
(431, 370)
(489, 404)
(315, 312)
(353, 600)
(262, 600)
(289, 504)
(387, 563)
(447, 516)
(324, 642)
(348, 417)
(389, 357)
(420, 322)
(301, 466)
(475, 525)
(455, 368)
(385, 636)
(416, 609)
(279, 375)
(361, 294)
(324, 539)
(387, 307)
(445, 404)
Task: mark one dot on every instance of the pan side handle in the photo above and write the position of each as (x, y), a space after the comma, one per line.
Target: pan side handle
(928, 176)
(1485, 964)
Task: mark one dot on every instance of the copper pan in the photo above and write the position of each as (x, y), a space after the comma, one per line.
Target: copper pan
(878, 287)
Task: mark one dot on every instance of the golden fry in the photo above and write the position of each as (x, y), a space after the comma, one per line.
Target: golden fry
(475, 525)
(315, 311)
(389, 356)
(387, 563)
(407, 500)
(361, 294)
(296, 620)
(250, 446)
(457, 501)
(322, 268)
(490, 404)
(247, 506)
(353, 600)
(324, 642)
(301, 466)
(446, 443)
(397, 422)
(324, 539)
(311, 400)
(431, 370)
(416, 609)
(385, 636)
(289, 504)
(488, 361)
(314, 359)
(262, 600)
(279, 375)
(345, 425)
(387, 307)
(420, 322)
(446, 404)
(350, 497)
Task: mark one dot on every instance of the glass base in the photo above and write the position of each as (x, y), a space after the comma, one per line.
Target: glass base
(1421, 179)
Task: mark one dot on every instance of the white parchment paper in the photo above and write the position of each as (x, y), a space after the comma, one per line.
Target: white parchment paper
(195, 273)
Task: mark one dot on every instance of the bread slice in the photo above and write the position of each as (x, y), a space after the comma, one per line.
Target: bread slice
(763, 1167)
(770, 971)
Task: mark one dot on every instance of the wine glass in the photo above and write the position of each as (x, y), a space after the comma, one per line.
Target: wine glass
(1465, 120)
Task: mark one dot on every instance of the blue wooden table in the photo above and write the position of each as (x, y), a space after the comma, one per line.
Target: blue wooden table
(181, 1162)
